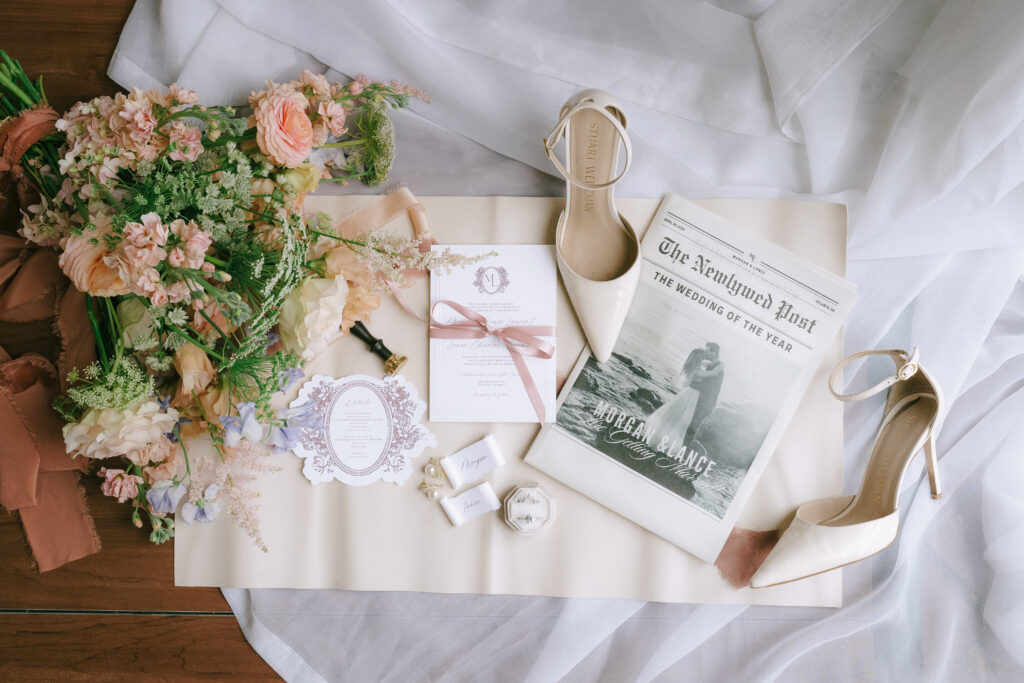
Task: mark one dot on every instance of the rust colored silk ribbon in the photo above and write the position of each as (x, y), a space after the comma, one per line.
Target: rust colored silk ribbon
(17, 134)
(40, 311)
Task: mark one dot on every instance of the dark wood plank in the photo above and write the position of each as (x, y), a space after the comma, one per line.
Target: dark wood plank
(129, 573)
(45, 647)
(70, 43)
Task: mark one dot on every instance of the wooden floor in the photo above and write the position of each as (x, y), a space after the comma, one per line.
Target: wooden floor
(114, 615)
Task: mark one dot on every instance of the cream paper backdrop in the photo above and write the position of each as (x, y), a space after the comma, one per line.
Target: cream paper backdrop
(388, 537)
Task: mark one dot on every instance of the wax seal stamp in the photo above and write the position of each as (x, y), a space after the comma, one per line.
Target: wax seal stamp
(529, 509)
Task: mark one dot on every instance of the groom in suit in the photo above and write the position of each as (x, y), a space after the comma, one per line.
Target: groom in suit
(708, 383)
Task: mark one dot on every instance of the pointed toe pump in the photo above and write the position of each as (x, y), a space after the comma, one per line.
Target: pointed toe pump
(833, 532)
(597, 249)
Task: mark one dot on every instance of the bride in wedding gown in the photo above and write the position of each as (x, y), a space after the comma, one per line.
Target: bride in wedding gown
(673, 417)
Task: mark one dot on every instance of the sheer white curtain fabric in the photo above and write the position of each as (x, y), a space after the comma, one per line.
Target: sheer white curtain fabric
(911, 113)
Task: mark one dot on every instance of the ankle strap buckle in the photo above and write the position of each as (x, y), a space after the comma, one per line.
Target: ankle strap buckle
(908, 368)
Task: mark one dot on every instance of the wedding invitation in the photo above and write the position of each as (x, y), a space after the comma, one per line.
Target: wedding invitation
(476, 380)
(363, 429)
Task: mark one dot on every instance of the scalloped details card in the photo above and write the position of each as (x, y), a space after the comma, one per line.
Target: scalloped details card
(367, 429)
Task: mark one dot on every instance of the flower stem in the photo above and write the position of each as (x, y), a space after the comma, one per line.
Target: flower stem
(198, 343)
(354, 142)
(96, 333)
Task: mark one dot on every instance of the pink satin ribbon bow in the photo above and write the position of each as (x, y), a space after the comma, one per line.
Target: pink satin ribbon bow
(520, 340)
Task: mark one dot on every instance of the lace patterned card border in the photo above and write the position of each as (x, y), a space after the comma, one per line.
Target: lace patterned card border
(402, 437)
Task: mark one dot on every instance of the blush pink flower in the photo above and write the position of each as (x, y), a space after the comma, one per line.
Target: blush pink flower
(185, 142)
(183, 95)
(145, 282)
(150, 231)
(195, 248)
(315, 82)
(283, 130)
(159, 297)
(118, 484)
(176, 257)
(178, 291)
(194, 243)
(138, 112)
(334, 114)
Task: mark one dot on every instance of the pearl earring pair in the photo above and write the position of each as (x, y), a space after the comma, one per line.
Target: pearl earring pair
(436, 480)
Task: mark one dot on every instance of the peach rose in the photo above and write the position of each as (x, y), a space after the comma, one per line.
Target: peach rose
(167, 468)
(216, 401)
(358, 306)
(345, 263)
(283, 129)
(196, 372)
(86, 263)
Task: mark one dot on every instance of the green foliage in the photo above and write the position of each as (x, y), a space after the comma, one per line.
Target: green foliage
(123, 386)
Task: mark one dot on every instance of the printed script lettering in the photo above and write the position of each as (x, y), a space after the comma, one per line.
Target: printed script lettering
(632, 433)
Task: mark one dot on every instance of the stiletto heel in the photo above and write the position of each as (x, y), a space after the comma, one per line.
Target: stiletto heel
(933, 466)
(597, 250)
(833, 532)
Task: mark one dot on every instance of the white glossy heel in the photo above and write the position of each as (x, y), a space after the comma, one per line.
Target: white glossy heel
(834, 532)
(597, 250)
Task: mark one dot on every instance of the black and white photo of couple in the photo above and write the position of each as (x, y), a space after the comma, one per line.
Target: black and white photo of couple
(700, 383)
(685, 400)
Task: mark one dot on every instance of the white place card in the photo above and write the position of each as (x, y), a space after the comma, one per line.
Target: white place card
(475, 380)
(473, 462)
(471, 504)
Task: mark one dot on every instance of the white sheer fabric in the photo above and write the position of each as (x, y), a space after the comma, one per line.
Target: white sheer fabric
(910, 112)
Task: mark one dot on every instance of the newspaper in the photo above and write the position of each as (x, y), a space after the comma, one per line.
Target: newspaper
(723, 336)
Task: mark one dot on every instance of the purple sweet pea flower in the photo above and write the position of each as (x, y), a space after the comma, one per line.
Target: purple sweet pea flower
(244, 426)
(203, 510)
(288, 378)
(272, 338)
(164, 402)
(232, 429)
(283, 439)
(304, 416)
(252, 429)
(164, 496)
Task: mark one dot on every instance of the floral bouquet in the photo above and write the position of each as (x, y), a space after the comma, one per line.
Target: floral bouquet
(207, 286)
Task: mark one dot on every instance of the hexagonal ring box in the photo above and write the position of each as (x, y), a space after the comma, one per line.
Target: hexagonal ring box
(529, 509)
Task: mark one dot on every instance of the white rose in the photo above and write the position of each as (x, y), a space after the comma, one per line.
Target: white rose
(106, 433)
(312, 314)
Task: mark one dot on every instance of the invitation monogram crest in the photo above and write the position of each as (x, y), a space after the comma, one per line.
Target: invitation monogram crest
(491, 279)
